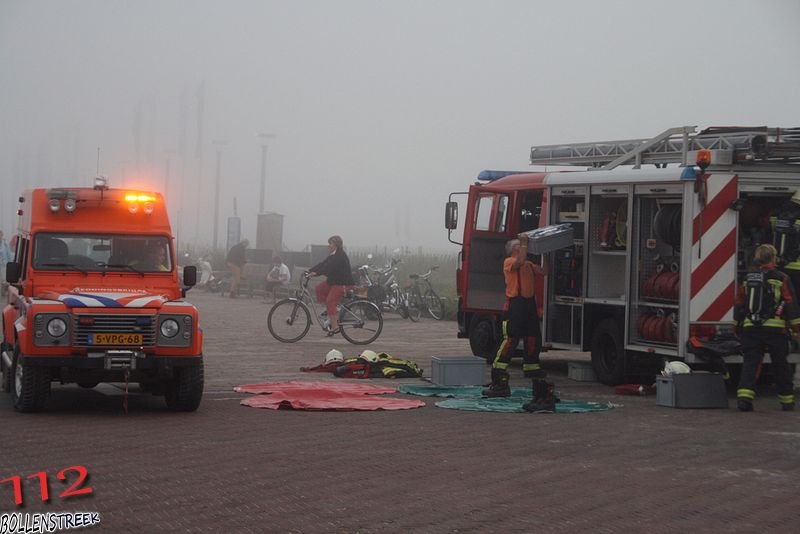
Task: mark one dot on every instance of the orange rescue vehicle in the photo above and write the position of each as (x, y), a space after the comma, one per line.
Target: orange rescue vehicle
(95, 296)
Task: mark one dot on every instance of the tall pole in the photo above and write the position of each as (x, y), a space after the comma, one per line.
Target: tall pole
(263, 178)
(219, 145)
(263, 189)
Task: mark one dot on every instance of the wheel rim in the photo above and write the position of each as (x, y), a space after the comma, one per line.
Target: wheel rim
(18, 377)
(361, 322)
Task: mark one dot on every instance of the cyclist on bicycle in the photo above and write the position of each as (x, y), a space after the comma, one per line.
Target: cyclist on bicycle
(336, 267)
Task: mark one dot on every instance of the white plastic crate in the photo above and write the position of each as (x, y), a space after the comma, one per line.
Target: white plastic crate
(459, 371)
(691, 390)
(581, 372)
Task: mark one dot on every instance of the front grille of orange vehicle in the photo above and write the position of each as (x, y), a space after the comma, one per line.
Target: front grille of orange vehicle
(85, 324)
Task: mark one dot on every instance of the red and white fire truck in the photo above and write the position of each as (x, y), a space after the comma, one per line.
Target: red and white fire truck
(95, 297)
(664, 230)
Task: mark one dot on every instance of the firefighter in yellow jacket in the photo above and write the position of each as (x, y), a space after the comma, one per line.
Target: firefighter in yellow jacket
(521, 317)
(766, 309)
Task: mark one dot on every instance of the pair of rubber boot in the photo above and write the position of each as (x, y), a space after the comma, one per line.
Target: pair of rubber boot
(544, 398)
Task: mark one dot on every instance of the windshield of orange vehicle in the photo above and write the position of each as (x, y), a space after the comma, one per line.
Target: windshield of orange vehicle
(101, 252)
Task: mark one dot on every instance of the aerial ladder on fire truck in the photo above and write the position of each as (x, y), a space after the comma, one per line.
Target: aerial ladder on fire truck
(729, 146)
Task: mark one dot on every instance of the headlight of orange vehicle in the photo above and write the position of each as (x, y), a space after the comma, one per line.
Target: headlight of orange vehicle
(175, 330)
(51, 329)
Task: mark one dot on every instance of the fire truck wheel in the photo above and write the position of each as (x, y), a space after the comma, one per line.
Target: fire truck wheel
(30, 386)
(482, 338)
(184, 392)
(608, 353)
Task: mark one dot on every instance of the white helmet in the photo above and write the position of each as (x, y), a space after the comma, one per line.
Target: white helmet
(675, 368)
(369, 356)
(796, 197)
(333, 356)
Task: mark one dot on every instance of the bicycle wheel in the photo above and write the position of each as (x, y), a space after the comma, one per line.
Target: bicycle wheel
(433, 304)
(414, 306)
(361, 322)
(289, 320)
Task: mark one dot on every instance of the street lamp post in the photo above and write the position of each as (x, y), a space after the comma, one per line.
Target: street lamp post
(219, 144)
(263, 189)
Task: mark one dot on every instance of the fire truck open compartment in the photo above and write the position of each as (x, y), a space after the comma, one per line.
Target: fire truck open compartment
(664, 229)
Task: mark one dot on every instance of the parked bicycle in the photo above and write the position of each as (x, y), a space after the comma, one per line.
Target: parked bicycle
(423, 296)
(290, 319)
(384, 291)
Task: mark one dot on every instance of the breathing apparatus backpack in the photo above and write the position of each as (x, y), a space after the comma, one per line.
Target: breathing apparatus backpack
(759, 295)
(786, 236)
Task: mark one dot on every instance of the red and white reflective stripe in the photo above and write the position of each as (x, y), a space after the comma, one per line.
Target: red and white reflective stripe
(713, 260)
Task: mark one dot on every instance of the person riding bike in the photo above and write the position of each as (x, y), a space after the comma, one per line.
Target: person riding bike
(336, 267)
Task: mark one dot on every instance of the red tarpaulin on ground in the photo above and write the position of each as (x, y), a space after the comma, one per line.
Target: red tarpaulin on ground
(317, 399)
(301, 385)
(323, 396)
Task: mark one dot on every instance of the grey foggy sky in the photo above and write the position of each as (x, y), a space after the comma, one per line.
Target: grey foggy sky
(381, 108)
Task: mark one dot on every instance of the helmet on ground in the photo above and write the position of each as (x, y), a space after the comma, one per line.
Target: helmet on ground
(369, 356)
(796, 197)
(675, 368)
(334, 356)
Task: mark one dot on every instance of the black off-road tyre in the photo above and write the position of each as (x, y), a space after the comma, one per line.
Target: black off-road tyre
(30, 385)
(483, 338)
(185, 391)
(608, 353)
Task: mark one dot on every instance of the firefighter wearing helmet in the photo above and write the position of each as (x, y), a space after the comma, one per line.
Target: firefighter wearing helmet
(521, 317)
(766, 309)
(786, 238)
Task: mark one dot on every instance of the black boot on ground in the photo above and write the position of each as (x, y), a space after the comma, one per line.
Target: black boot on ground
(744, 405)
(787, 407)
(544, 397)
(499, 386)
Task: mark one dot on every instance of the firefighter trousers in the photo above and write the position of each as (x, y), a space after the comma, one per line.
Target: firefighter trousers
(754, 341)
(521, 322)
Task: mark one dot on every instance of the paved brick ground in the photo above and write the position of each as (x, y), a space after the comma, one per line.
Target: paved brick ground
(227, 468)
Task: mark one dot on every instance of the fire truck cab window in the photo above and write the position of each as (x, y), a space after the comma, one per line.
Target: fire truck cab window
(483, 213)
(530, 209)
(501, 213)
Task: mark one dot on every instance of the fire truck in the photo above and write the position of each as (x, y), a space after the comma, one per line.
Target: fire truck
(94, 296)
(664, 230)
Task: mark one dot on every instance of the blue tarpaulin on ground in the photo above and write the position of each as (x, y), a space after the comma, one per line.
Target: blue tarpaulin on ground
(469, 398)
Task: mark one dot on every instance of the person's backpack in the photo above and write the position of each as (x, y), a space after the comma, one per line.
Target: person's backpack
(759, 304)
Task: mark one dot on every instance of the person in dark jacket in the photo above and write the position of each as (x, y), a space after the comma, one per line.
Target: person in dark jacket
(236, 260)
(770, 332)
(336, 267)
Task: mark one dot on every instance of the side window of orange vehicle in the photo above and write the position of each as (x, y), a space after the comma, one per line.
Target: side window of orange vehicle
(21, 255)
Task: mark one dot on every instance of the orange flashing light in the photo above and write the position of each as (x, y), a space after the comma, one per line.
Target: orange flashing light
(703, 158)
(137, 197)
